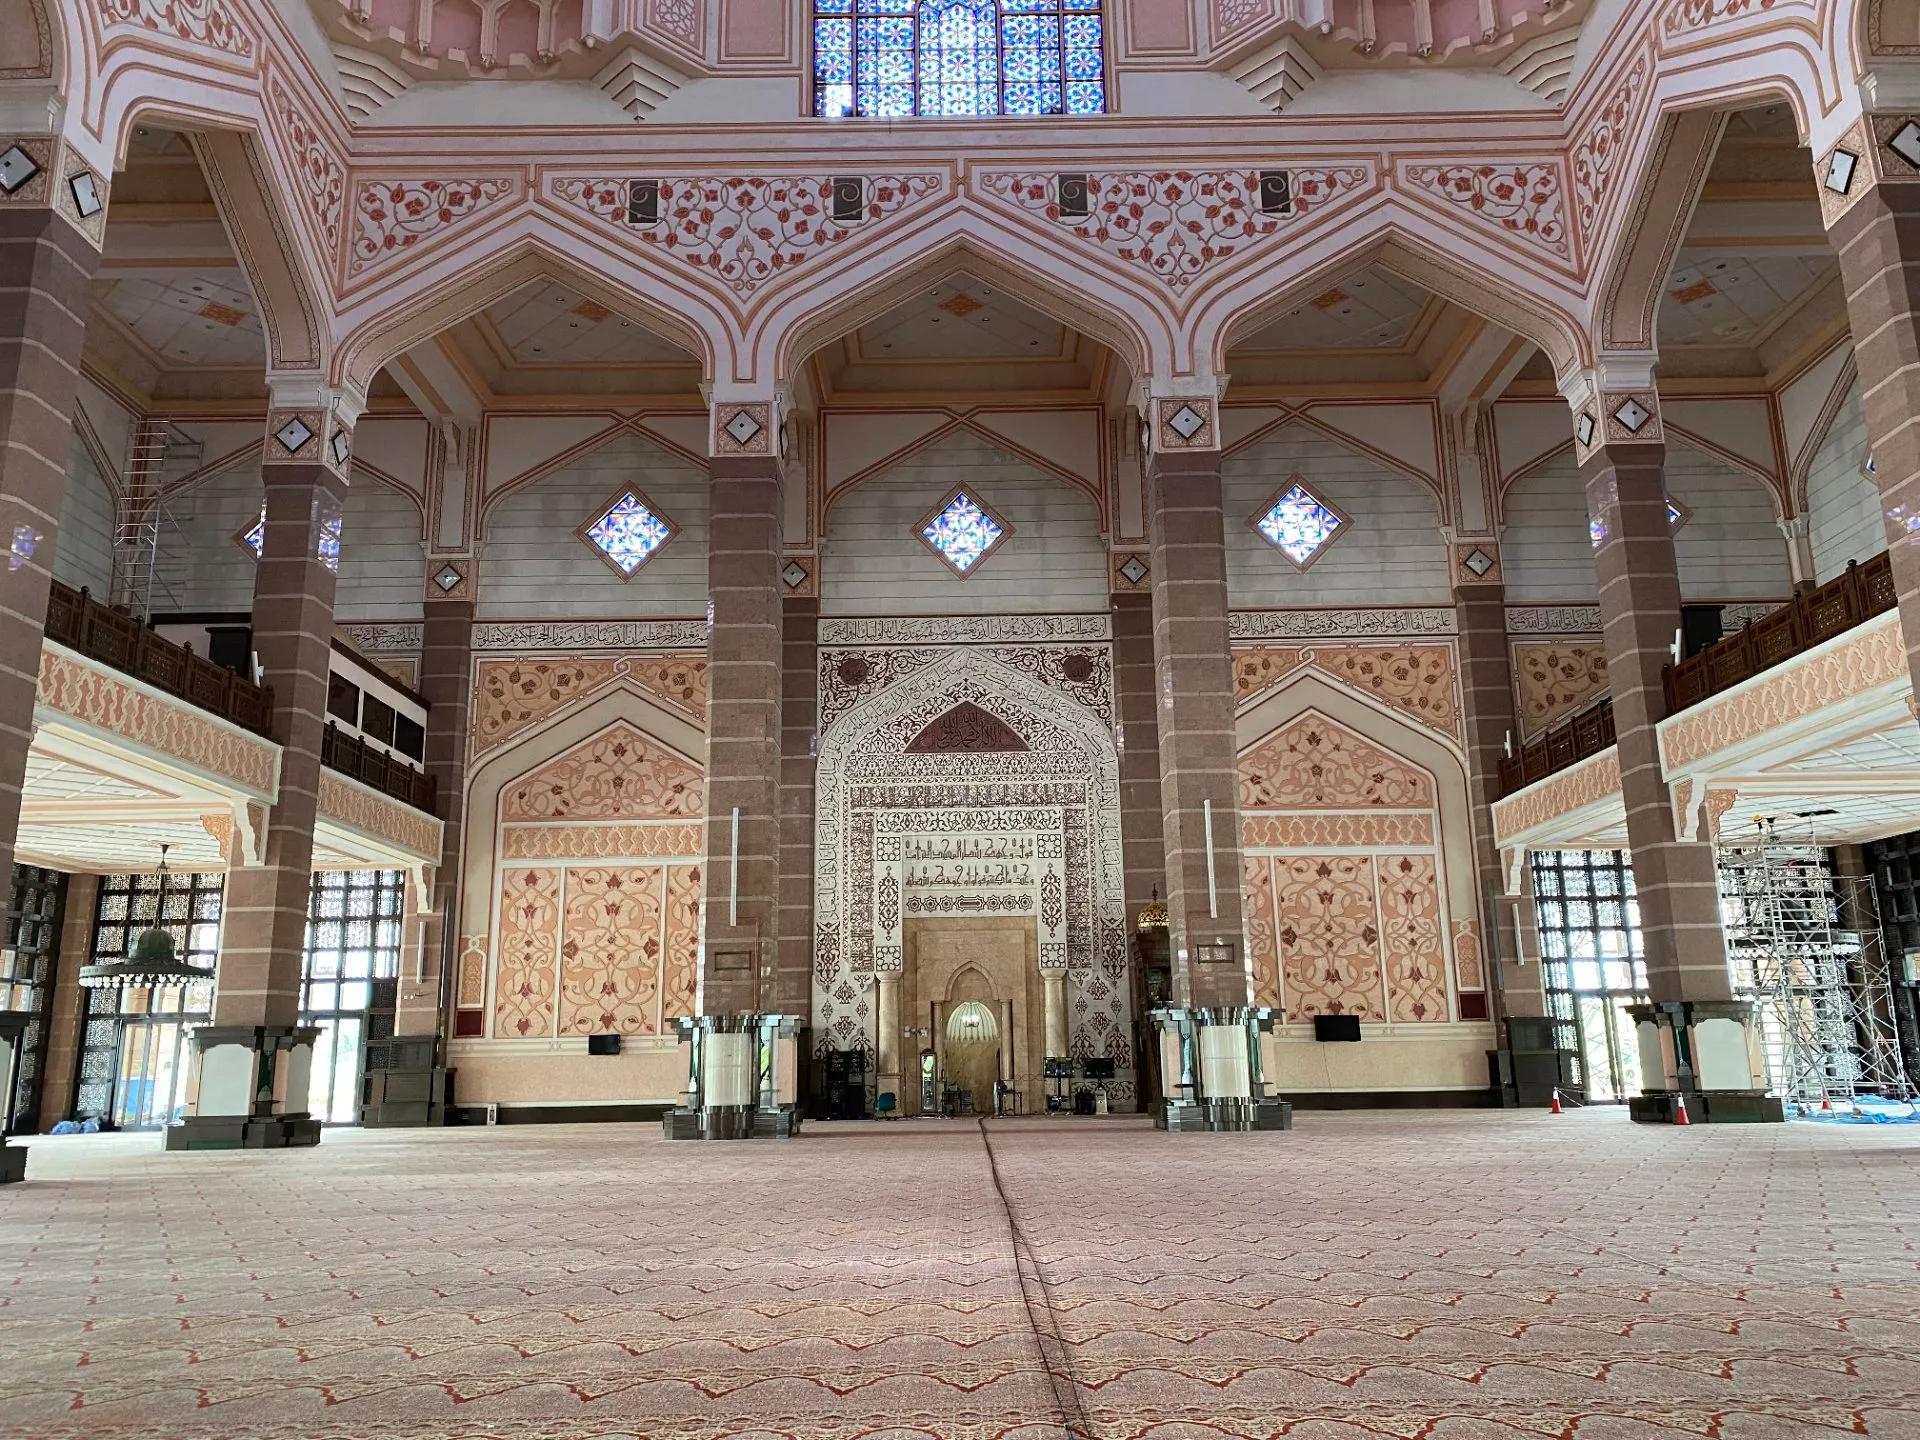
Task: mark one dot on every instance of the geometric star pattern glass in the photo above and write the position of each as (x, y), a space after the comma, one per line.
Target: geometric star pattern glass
(627, 533)
(254, 537)
(893, 58)
(963, 532)
(1299, 525)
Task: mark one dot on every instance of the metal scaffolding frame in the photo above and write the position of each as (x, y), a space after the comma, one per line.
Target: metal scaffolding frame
(1804, 944)
(143, 514)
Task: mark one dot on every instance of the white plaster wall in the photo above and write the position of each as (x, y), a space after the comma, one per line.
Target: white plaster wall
(1731, 548)
(874, 563)
(83, 554)
(534, 566)
(1843, 504)
(203, 568)
(1392, 555)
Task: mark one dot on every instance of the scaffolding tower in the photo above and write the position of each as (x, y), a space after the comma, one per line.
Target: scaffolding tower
(143, 514)
(1805, 946)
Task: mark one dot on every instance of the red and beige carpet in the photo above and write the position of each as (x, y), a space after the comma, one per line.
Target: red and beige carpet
(1444, 1275)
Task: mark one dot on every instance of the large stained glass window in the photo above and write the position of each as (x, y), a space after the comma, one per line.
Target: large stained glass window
(1299, 524)
(961, 531)
(958, 57)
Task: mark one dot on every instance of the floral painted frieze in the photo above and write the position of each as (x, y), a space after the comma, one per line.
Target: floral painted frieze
(318, 173)
(211, 23)
(511, 697)
(744, 231)
(391, 217)
(1420, 681)
(1521, 199)
(1180, 226)
(1598, 149)
(349, 805)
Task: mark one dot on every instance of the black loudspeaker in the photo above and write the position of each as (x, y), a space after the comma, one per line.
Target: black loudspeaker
(849, 199)
(603, 1044)
(1336, 1027)
(1276, 193)
(643, 202)
(1073, 196)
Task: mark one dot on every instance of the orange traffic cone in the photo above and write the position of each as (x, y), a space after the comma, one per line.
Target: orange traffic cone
(1680, 1110)
(1554, 1108)
(1826, 1105)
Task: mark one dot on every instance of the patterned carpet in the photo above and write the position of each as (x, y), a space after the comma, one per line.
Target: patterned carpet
(1430, 1275)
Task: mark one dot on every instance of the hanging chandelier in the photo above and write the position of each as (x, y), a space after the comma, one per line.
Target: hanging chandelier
(154, 962)
(1153, 914)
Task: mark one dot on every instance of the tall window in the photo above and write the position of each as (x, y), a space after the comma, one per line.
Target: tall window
(958, 57)
(353, 940)
(1593, 961)
(134, 1056)
(26, 976)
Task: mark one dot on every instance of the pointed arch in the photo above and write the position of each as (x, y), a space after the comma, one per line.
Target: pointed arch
(1633, 272)
(1094, 300)
(1453, 273)
(460, 283)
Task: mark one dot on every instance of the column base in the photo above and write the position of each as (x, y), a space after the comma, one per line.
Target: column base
(1710, 1107)
(248, 1089)
(243, 1132)
(13, 1164)
(1225, 1116)
(743, 1080)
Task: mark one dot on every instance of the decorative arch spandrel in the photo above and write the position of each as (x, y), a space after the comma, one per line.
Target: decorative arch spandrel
(618, 774)
(1315, 764)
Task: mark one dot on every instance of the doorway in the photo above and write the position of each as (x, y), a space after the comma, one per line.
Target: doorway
(970, 1058)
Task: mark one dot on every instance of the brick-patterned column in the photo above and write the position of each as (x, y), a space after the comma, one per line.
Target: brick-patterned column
(48, 253)
(1142, 838)
(1193, 660)
(261, 1100)
(1695, 1038)
(799, 722)
(1875, 227)
(446, 684)
(1486, 692)
(67, 1012)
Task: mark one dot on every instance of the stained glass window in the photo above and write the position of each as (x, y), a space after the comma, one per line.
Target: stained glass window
(628, 532)
(958, 57)
(1299, 524)
(254, 537)
(962, 531)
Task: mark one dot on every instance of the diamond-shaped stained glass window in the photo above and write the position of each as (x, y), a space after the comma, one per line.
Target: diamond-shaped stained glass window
(1299, 524)
(962, 531)
(254, 536)
(628, 532)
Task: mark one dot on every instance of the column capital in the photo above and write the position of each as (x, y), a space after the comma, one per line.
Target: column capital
(1476, 561)
(1614, 403)
(311, 423)
(1180, 417)
(47, 172)
(746, 421)
(1880, 147)
(452, 579)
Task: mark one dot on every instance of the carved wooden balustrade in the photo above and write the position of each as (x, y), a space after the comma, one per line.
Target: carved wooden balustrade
(1809, 619)
(389, 774)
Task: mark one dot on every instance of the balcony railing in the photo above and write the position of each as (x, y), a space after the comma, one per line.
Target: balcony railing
(1845, 601)
(114, 638)
(352, 756)
(1580, 738)
(1807, 620)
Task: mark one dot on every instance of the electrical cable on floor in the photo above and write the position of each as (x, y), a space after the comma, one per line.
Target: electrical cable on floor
(1046, 1336)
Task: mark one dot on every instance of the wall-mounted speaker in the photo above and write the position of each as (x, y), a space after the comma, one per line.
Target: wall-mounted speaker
(1336, 1027)
(603, 1044)
(849, 199)
(1073, 196)
(1276, 192)
(643, 202)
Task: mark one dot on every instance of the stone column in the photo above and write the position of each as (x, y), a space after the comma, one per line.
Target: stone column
(48, 253)
(1486, 690)
(1870, 194)
(739, 963)
(1056, 999)
(1199, 775)
(413, 1090)
(1694, 1038)
(67, 1011)
(887, 1034)
(799, 722)
(248, 1086)
(1142, 838)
